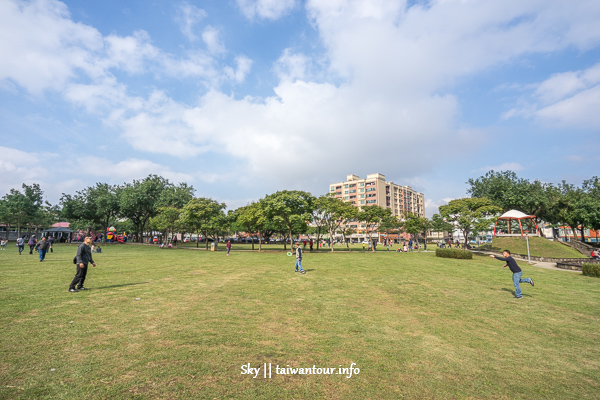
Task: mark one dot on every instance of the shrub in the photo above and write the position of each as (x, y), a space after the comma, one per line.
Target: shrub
(591, 270)
(454, 253)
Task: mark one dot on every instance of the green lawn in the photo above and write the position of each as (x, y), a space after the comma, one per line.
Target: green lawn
(538, 246)
(180, 323)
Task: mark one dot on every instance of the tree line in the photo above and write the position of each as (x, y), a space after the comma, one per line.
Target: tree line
(154, 204)
(561, 205)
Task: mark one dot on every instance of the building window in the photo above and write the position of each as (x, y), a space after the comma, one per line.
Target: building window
(371, 201)
(371, 189)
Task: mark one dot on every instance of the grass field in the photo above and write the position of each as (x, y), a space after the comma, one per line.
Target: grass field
(181, 323)
(538, 247)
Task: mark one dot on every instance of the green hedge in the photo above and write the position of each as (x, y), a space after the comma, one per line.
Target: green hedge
(591, 269)
(454, 253)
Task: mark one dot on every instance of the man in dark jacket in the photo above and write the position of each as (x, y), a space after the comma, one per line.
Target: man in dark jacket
(42, 248)
(517, 272)
(83, 258)
(31, 244)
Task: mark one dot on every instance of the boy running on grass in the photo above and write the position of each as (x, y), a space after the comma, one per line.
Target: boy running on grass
(517, 272)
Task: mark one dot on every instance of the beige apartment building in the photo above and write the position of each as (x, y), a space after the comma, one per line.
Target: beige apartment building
(374, 190)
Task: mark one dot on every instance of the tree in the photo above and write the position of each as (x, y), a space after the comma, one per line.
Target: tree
(390, 224)
(371, 216)
(335, 215)
(140, 200)
(202, 215)
(469, 214)
(507, 191)
(415, 226)
(289, 210)
(319, 217)
(249, 219)
(438, 224)
(570, 208)
(93, 208)
(591, 204)
(166, 220)
(22, 208)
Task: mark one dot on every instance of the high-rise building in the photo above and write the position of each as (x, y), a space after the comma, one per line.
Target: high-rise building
(374, 190)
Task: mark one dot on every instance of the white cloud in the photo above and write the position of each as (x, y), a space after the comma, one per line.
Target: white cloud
(390, 108)
(244, 64)
(210, 36)
(188, 16)
(565, 99)
(131, 52)
(292, 66)
(42, 47)
(432, 207)
(17, 166)
(265, 9)
(129, 169)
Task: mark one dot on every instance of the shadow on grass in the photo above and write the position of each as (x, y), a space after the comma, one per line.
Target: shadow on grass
(123, 285)
(513, 292)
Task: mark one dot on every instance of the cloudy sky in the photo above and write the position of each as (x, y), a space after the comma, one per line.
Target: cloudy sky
(241, 98)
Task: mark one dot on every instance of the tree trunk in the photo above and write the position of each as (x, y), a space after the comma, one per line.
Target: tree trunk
(582, 233)
(259, 242)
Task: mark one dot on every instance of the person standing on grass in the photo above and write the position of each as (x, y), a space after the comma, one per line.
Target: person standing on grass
(21, 244)
(42, 248)
(82, 259)
(517, 272)
(299, 258)
(50, 243)
(228, 246)
(31, 243)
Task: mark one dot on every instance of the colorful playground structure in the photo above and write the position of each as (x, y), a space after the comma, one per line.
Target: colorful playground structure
(111, 236)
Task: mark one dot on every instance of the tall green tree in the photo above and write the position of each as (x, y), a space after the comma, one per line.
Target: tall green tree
(438, 224)
(249, 219)
(203, 214)
(335, 215)
(23, 208)
(591, 204)
(290, 209)
(166, 220)
(371, 216)
(416, 226)
(390, 224)
(139, 201)
(470, 214)
(94, 208)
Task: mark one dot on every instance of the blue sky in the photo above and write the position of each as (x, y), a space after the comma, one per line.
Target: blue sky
(241, 98)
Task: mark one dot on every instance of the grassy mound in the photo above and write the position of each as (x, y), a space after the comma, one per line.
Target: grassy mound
(538, 247)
